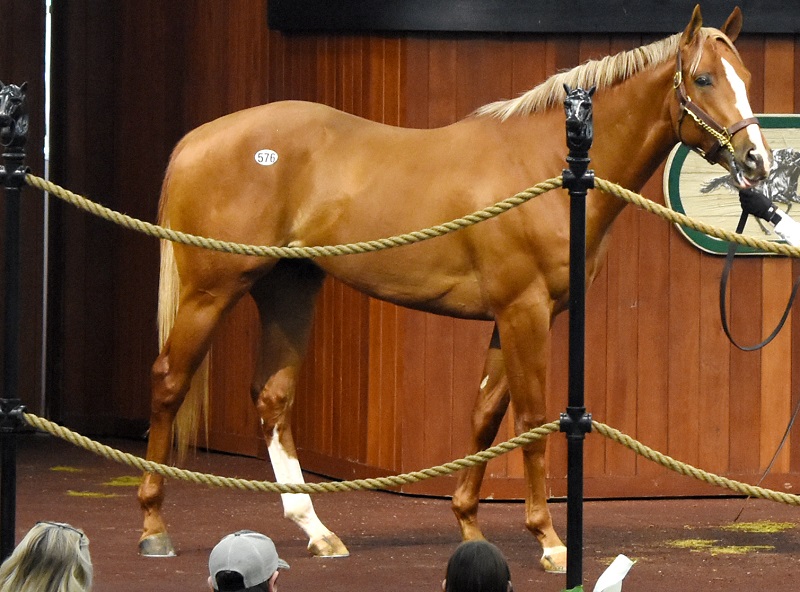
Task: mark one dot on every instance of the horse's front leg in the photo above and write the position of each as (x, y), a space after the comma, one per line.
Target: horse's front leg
(487, 414)
(524, 329)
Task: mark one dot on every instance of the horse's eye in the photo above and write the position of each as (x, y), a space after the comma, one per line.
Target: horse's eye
(703, 80)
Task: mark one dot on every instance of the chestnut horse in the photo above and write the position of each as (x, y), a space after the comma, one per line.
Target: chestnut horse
(301, 174)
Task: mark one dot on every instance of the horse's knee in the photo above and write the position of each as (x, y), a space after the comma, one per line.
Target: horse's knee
(168, 389)
(527, 421)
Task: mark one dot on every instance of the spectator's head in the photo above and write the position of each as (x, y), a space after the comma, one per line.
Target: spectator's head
(244, 561)
(53, 557)
(477, 566)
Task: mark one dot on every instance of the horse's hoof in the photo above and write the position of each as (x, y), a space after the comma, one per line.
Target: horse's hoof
(329, 545)
(156, 545)
(554, 560)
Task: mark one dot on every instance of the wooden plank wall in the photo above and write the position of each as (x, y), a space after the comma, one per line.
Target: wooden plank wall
(22, 60)
(387, 389)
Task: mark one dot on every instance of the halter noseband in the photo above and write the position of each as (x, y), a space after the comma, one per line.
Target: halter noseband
(722, 136)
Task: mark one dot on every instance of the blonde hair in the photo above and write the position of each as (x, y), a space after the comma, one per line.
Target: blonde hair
(53, 557)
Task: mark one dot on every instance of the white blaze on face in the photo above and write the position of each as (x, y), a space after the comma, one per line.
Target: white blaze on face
(743, 105)
(296, 506)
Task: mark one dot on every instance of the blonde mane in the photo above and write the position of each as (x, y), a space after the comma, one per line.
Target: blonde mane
(601, 73)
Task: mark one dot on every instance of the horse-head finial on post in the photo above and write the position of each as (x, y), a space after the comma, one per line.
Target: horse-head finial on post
(13, 116)
(580, 129)
(576, 423)
(13, 134)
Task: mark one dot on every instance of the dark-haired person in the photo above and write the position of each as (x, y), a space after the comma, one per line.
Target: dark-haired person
(477, 566)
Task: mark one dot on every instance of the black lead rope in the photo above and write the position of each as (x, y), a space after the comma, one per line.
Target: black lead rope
(723, 291)
(723, 285)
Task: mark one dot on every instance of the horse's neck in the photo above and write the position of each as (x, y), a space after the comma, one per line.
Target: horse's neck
(633, 135)
(638, 134)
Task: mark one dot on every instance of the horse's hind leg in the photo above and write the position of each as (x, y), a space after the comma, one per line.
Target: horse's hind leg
(198, 315)
(285, 300)
(487, 414)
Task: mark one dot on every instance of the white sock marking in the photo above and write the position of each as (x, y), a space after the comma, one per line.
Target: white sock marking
(296, 506)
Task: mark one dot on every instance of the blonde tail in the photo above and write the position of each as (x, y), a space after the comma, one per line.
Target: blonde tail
(195, 405)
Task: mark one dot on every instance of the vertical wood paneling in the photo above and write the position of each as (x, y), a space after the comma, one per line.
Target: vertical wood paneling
(776, 281)
(714, 390)
(684, 351)
(81, 319)
(794, 438)
(22, 60)
(138, 166)
(652, 362)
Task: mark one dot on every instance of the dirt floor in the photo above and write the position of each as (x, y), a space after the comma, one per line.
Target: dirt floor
(397, 542)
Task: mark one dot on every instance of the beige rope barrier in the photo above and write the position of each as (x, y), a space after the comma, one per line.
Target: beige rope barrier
(683, 220)
(252, 485)
(292, 252)
(689, 470)
(404, 478)
(402, 239)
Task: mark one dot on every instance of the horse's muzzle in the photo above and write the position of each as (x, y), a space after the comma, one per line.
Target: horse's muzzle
(749, 170)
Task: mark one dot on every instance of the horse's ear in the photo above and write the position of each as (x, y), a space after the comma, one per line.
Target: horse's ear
(567, 89)
(693, 27)
(733, 26)
(23, 86)
(591, 90)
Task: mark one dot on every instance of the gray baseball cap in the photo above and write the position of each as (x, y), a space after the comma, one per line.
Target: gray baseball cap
(242, 560)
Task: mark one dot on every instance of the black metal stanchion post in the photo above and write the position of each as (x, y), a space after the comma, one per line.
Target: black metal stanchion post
(11, 421)
(576, 422)
(13, 135)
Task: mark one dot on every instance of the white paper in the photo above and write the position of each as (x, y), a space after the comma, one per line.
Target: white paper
(611, 579)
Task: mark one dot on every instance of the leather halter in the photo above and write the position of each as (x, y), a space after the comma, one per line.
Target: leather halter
(722, 136)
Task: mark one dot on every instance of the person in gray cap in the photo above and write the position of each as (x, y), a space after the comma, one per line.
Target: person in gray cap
(245, 561)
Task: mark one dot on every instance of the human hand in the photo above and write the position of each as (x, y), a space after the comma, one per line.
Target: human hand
(757, 204)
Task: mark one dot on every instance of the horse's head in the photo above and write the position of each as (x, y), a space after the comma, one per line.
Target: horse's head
(578, 109)
(712, 113)
(13, 115)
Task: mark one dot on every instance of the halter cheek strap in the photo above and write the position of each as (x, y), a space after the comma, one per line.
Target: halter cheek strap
(722, 136)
